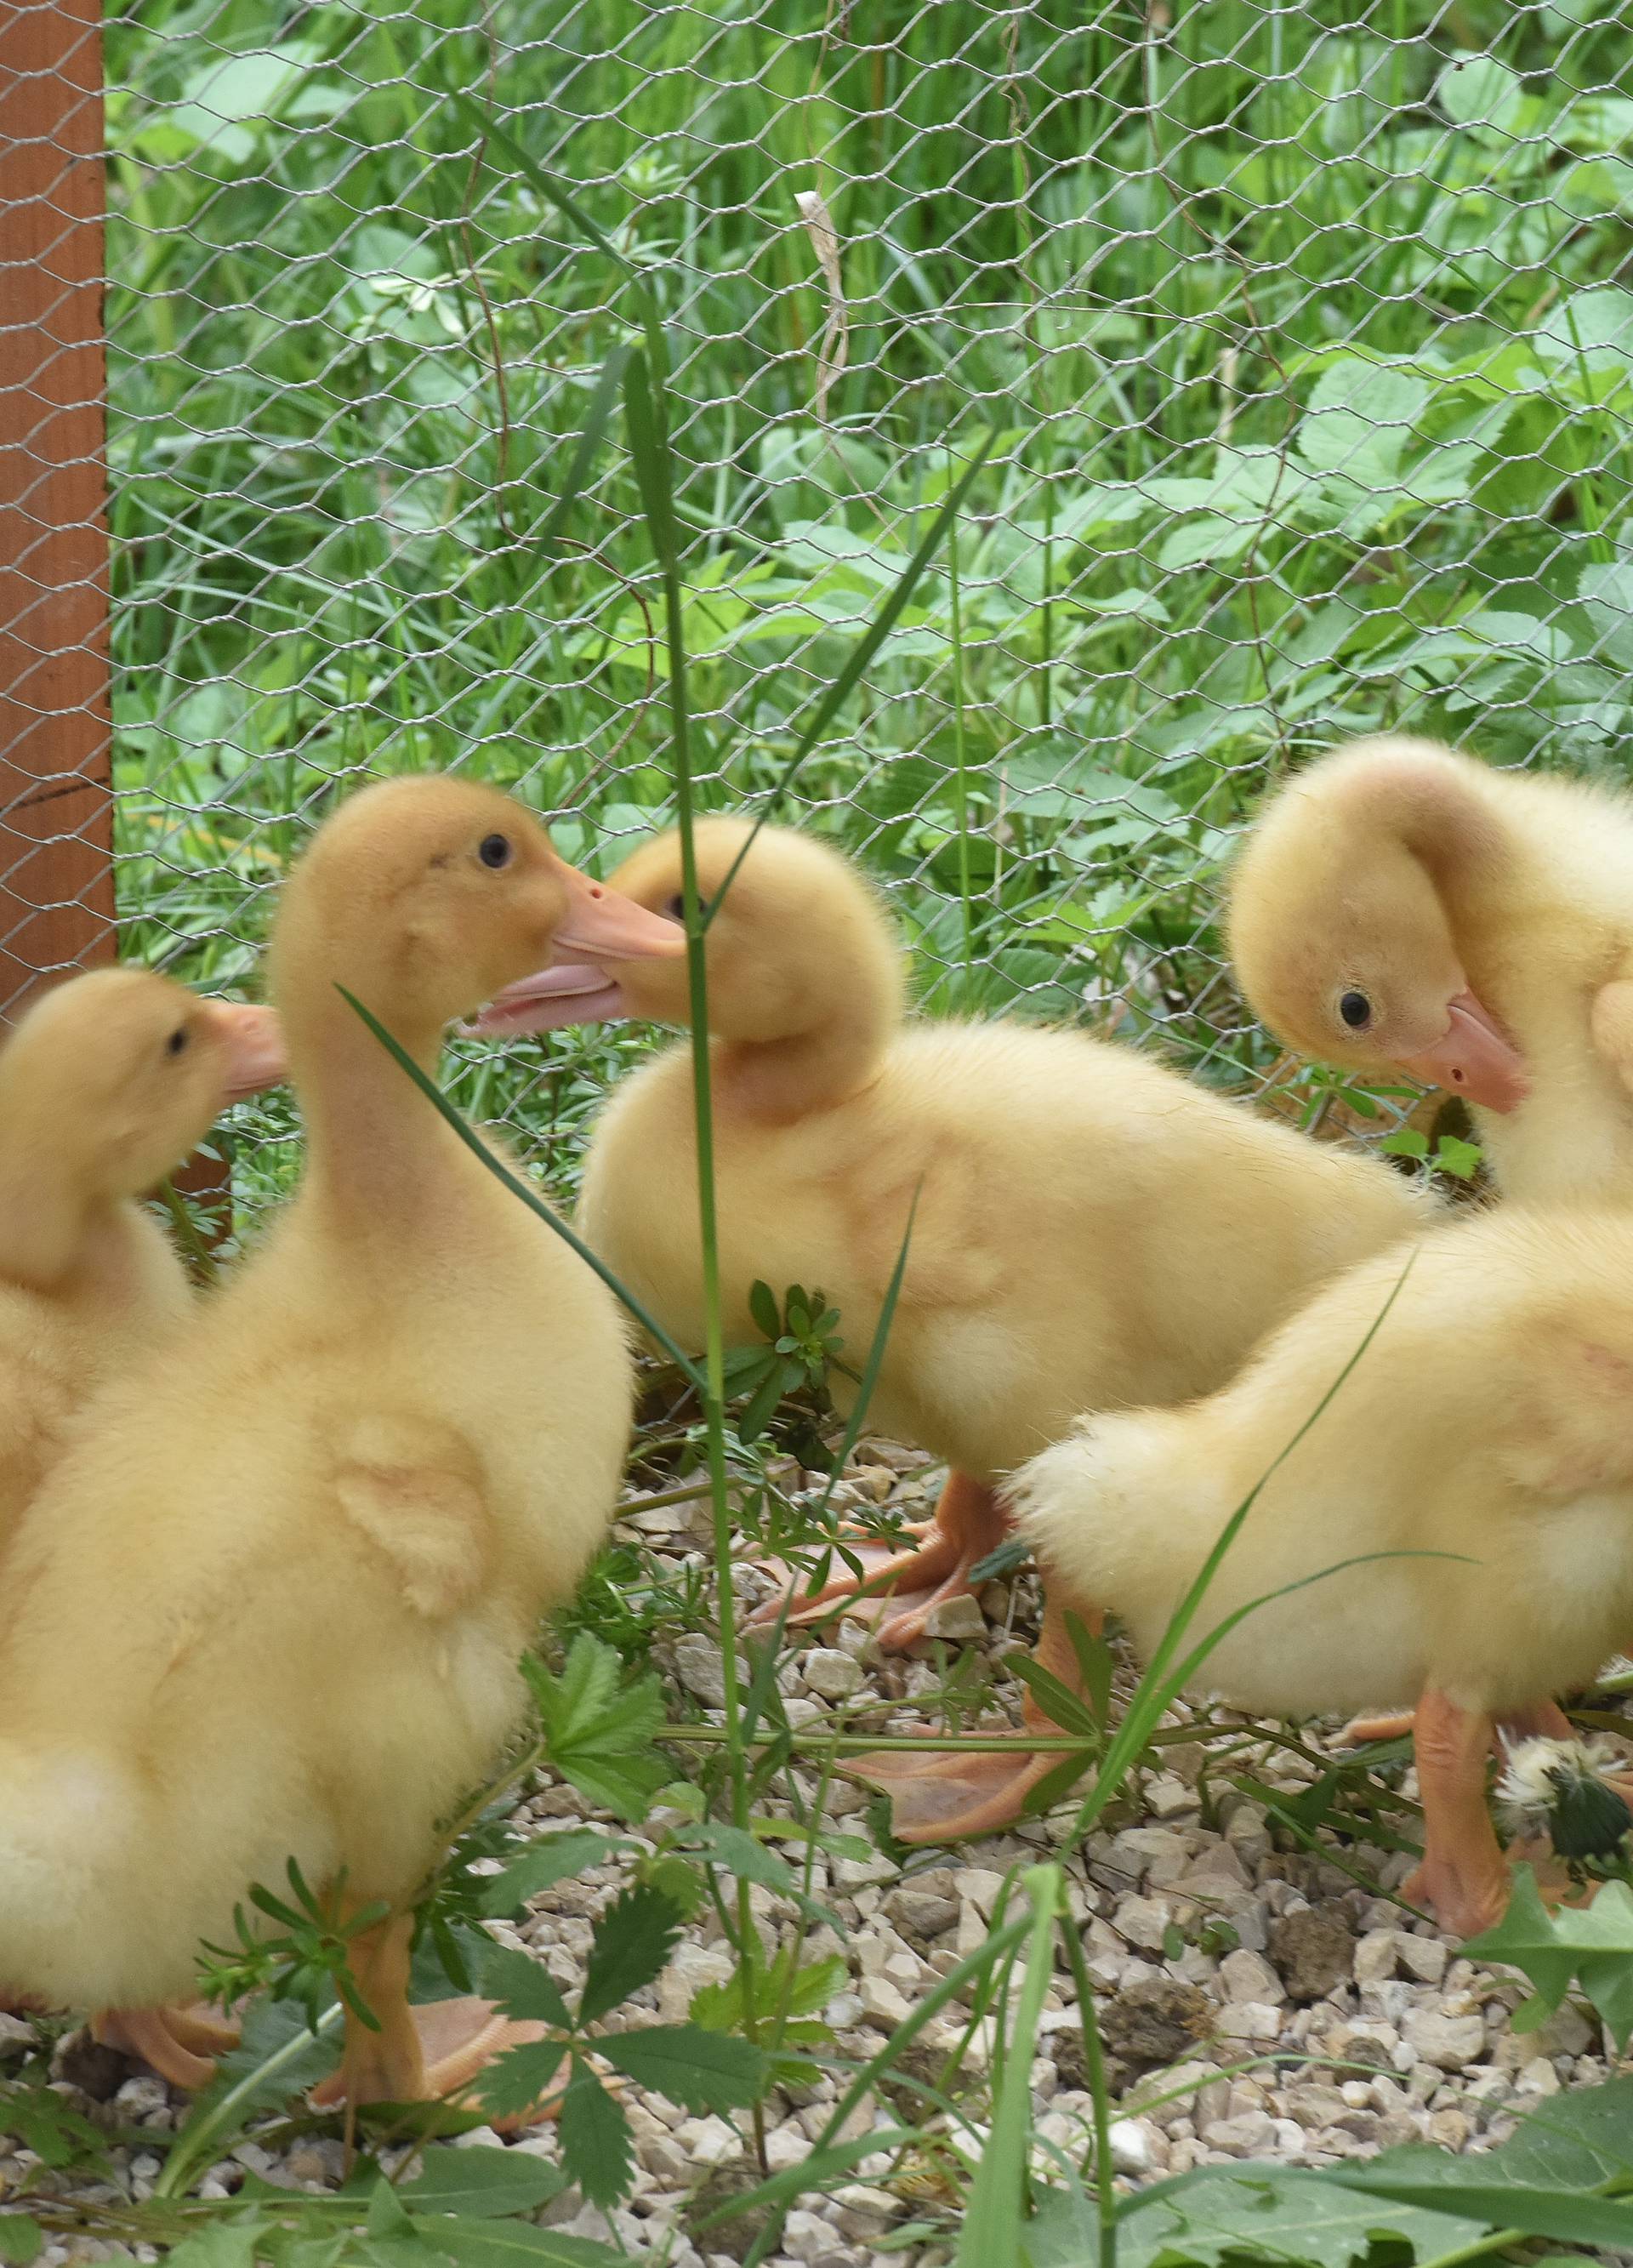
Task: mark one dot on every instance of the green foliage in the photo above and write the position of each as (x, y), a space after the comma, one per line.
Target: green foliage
(803, 1344)
(1589, 1947)
(305, 1958)
(599, 1726)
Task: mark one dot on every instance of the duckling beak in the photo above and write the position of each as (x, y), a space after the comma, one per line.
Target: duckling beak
(601, 925)
(1475, 1058)
(255, 1051)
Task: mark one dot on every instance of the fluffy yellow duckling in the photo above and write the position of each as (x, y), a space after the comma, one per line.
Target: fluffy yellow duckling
(1487, 1418)
(1091, 1231)
(107, 1084)
(270, 1603)
(1400, 907)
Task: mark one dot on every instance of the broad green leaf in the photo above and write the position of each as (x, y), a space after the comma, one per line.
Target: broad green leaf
(481, 2182)
(553, 1858)
(1478, 90)
(1268, 2212)
(523, 1987)
(1593, 1944)
(517, 2244)
(700, 2070)
(1559, 2214)
(21, 2238)
(633, 1942)
(763, 1307)
(219, 2245)
(740, 1853)
(598, 2148)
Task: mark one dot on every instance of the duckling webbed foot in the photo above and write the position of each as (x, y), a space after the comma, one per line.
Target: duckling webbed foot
(433, 2053)
(1463, 1878)
(180, 2043)
(900, 1590)
(938, 1798)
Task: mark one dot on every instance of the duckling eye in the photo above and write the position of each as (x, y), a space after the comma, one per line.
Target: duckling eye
(495, 850)
(176, 1042)
(1355, 1009)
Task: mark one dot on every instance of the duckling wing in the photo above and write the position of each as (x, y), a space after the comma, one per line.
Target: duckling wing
(1610, 1019)
(414, 1490)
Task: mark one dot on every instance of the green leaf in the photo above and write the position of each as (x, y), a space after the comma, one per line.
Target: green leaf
(521, 2077)
(722, 2007)
(698, 2069)
(21, 2239)
(1592, 1944)
(553, 1858)
(598, 1728)
(740, 1853)
(598, 2148)
(1268, 2213)
(1478, 90)
(757, 1412)
(482, 2182)
(1406, 1141)
(633, 1942)
(219, 2245)
(763, 1307)
(278, 2056)
(1559, 2213)
(523, 1987)
(517, 2244)
(385, 2216)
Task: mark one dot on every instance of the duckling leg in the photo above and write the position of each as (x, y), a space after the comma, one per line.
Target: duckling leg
(1463, 1877)
(417, 2055)
(936, 1799)
(900, 1590)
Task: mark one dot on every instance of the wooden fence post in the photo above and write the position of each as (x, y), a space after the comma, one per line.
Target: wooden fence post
(56, 873)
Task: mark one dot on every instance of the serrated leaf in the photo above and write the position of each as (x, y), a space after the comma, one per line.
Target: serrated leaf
(481, 2182)
(1593, 1944)
(516, 2080)
(553, 1858)
(633, 1942)
(598, 1728)
(722, 2007)
(598, 2148)
(740, 1853)
(700, 2070)
(521, 1986)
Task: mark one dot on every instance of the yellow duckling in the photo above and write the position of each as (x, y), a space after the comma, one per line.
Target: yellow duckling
(107, 1084)
(270, 1603)
(1487, 1418)
(1400, 907)
(1091, 1230)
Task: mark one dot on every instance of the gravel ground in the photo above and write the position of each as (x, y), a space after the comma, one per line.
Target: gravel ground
(1306, 1965)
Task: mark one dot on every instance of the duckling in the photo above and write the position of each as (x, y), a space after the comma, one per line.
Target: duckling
(270, 1603)
(107, 1084)
(1481, 1437)
(1089, 1230)
(1400, 907)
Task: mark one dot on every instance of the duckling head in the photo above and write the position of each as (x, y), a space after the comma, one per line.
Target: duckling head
(1341, 931)
(116, 1076)
(426, 897)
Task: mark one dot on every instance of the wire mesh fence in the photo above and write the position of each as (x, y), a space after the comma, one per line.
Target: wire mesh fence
(1303, 335)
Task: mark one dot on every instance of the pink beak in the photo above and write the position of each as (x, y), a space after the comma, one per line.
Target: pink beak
(255, 1055)
(575, 989)
(1475, 1058)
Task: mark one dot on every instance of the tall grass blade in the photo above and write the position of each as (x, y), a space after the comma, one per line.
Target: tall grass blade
(534, 1203)
(997, 2195)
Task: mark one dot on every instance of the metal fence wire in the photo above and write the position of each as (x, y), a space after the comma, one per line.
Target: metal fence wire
(1305, 333)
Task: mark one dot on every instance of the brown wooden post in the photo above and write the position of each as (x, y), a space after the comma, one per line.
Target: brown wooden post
(56, 873)
(56, 810)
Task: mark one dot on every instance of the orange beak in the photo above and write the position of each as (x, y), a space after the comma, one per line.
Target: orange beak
(255, 1053)
(576, 989)
(1475, 1058)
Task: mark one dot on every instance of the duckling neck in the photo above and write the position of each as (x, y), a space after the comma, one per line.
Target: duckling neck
(46, 1237)
(776, 1081)
(374, 1147)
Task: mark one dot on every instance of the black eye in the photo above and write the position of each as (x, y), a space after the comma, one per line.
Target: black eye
(495, 850)
(175, 1043)
(1355, 1009)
